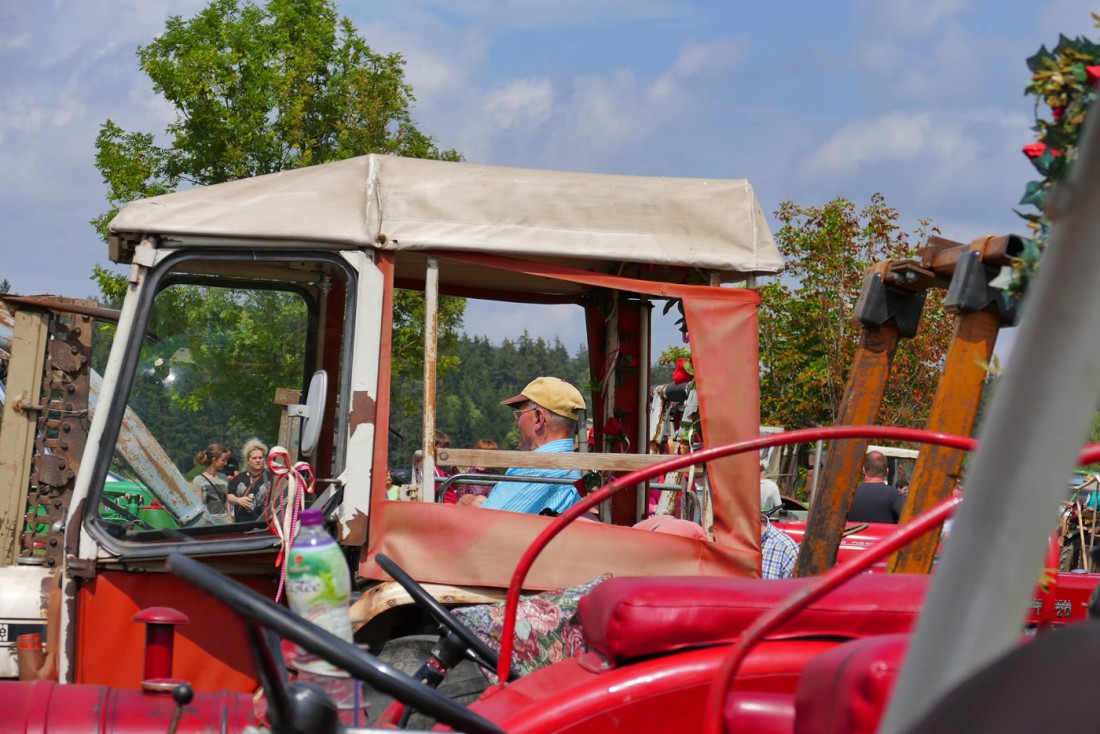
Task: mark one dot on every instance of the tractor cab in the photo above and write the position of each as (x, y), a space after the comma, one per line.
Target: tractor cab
(266, 308)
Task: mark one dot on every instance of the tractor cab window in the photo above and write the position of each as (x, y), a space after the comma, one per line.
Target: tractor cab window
(223, 362)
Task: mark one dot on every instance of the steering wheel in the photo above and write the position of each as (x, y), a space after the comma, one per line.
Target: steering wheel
(361, 665)
(477, 648)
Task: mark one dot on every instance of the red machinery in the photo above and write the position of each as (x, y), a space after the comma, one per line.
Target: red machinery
(658, 649)
(654, 645)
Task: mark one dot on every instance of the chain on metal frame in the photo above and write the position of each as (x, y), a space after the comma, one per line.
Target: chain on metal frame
(61, 435)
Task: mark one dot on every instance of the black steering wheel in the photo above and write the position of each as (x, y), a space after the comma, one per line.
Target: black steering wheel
(361, 665)
(478, 649)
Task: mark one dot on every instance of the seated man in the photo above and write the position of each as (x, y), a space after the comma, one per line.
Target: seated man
(875, 500)
(546, 414)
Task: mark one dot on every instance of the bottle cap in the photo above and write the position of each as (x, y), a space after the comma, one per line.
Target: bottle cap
(311, 517)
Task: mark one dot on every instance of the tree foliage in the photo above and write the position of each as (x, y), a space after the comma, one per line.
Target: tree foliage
(259, 89)
(468, 399)
(1063, 83)
(807, 334)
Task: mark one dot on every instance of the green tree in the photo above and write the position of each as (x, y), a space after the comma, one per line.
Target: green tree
(807, 335)
(259, 89)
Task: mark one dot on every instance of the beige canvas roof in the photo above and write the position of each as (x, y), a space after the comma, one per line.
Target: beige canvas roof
(408, 204)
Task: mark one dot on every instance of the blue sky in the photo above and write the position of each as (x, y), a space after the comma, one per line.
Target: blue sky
(921, 100)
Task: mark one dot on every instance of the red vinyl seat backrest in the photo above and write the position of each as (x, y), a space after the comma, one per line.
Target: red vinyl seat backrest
(632, 617)
(845, 690)
(842, 691)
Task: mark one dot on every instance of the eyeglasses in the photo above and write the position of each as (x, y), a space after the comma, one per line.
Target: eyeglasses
(517, 413)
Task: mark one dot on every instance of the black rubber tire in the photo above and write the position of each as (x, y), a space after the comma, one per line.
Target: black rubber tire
(476, 647)
(464, 683)
(1069, 558)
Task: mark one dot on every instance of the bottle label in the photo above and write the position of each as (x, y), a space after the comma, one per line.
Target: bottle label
(318, 587)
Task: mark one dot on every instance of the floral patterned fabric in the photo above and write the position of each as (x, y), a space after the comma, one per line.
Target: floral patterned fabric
(547, 628)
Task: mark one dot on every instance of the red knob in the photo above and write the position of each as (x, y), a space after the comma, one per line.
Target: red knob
(160, 628)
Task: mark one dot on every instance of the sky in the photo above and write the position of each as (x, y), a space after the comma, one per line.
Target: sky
(920, 100)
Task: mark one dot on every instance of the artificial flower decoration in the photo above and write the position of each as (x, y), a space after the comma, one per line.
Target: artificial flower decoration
(683, 372)
(1034, 150)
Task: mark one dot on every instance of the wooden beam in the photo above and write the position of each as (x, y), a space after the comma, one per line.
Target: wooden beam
(24, 391)
(540, 460)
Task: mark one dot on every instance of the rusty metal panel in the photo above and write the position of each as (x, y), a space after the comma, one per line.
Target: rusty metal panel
(953, 411)
(841, 473)
(62, 431)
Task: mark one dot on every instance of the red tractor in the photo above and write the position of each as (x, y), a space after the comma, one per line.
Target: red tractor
(658, 636)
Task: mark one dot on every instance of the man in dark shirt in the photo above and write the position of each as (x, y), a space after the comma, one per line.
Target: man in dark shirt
(875, 500)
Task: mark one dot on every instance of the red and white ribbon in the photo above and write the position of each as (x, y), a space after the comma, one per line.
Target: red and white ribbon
(291, 484)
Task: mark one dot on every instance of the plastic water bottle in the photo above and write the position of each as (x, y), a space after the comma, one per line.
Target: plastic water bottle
(318, 586)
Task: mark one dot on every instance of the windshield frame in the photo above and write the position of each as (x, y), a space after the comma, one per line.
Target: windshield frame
(164, 274)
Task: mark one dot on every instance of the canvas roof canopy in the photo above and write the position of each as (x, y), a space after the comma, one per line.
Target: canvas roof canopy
(515, 234)
(418, 207)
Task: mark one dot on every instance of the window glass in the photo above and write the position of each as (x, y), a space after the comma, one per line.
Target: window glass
(221, 359)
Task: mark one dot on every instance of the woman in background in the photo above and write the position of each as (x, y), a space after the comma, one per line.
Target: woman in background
(210, 485)
(253, 485)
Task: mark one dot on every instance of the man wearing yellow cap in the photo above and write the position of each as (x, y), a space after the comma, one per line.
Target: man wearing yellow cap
(546, 414)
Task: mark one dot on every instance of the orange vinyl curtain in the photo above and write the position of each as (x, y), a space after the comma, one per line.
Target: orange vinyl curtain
(723, 334)
(725, 355)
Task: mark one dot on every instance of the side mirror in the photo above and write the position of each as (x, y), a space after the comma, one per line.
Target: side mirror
(312, 412)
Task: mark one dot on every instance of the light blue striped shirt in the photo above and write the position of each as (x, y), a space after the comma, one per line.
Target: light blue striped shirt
(533, 497)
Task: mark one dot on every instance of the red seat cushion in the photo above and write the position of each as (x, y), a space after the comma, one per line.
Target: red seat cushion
(632, 617)
(845, 690)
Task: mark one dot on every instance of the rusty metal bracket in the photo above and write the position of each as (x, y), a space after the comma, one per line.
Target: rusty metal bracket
(885, 313)
(970, 290)
(75, 566)
(880, 304)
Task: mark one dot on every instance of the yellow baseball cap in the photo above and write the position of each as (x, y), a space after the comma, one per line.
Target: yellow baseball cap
(552, 393)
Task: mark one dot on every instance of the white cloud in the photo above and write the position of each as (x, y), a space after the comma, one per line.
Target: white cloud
(28, 111)
(696, 62)
(896, 136)
(524, 104)
(698, 59)
(959, 139)
(609, 109)
(962, 169)
(592, 119)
